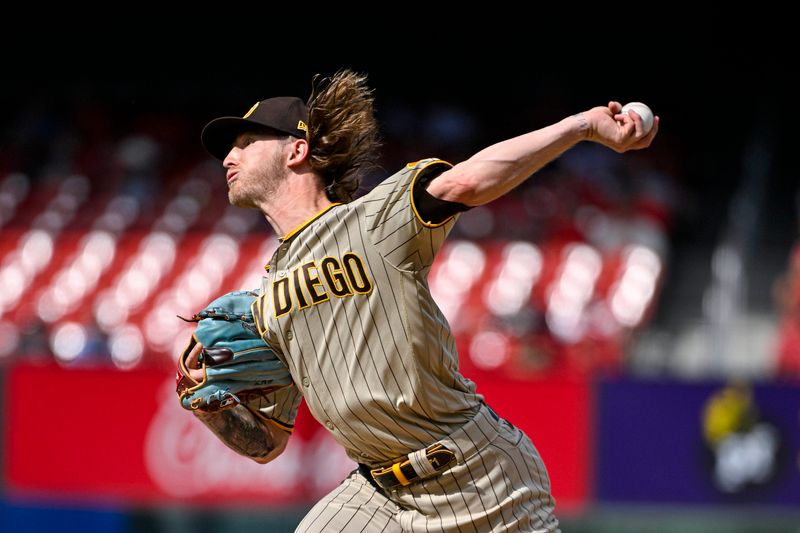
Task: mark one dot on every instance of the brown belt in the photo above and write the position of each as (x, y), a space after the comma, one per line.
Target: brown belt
(403, 473)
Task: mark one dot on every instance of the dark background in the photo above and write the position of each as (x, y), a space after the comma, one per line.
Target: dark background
(712, 99)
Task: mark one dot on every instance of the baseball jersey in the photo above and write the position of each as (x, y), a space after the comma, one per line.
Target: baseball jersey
(346, 305)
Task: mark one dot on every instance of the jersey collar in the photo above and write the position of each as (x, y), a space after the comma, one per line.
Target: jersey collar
(303, 226)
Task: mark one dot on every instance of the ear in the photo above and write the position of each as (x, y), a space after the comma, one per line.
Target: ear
(298, 153)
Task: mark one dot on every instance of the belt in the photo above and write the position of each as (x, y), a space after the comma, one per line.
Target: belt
(432, 460)
(420, 464)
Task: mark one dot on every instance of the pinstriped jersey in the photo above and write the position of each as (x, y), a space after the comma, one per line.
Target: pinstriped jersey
(346, 306)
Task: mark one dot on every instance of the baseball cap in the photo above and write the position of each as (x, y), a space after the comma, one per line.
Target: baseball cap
(285, 114)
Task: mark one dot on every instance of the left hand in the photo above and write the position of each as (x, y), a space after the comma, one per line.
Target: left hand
(620, 132)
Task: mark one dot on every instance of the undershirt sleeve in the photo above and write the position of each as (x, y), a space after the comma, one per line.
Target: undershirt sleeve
(428, 206)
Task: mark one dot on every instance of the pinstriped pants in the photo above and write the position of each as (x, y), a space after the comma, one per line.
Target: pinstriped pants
(498, 484)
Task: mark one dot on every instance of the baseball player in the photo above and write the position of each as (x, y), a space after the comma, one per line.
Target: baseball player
(346, 306)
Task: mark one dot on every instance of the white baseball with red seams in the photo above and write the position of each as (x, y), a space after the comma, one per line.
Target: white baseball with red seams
(643, 111)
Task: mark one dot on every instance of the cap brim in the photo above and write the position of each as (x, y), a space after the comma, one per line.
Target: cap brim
(218, 135)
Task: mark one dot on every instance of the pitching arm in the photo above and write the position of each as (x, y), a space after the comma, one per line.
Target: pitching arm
(495, 170)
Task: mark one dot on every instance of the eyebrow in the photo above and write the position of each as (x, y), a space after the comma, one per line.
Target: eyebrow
(250, 136)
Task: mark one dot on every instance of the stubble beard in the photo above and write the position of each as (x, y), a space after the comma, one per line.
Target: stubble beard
(259, 185)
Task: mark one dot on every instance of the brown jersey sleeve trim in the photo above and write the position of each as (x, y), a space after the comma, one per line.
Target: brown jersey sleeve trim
(425, 170)
(434, 210)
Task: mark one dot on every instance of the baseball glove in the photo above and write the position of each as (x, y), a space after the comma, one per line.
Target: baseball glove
(237, 364)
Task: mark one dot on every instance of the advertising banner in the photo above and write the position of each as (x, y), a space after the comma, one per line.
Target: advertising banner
(122, 435)
(705, 443)
(109, 435)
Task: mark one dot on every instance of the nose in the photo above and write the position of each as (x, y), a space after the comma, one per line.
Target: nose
(232, 159)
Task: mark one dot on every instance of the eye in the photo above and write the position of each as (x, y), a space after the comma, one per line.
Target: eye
(245, 141)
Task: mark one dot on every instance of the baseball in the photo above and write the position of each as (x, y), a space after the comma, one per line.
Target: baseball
(643, 111)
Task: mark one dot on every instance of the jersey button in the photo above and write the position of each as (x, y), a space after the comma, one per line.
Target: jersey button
(289, 335)
(329, 425)
(305, 382)
(281, 273)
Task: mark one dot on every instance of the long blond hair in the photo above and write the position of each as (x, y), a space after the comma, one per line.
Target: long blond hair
(342, 132)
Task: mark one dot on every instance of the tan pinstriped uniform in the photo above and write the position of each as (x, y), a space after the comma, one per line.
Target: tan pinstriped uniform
(346, 305)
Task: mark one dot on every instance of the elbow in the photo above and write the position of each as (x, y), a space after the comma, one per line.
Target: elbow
(280, 439)
(264, 459)
(469, 193)
(456, 185)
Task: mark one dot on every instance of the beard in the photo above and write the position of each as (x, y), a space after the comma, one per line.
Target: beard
(251, 188)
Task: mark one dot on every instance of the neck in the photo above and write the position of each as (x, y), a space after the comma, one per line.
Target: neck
(297, 199)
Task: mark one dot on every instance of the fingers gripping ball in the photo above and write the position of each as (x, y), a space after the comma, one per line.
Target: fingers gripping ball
(236, 363)
(643, 111)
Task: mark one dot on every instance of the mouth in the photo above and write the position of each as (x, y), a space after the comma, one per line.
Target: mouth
(232, 175)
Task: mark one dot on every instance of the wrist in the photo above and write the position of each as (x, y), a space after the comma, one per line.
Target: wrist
(580, 126)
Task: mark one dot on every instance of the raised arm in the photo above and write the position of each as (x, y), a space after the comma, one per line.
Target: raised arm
(495, 170)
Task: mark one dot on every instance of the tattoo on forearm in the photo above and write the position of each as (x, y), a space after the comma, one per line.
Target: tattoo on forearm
(241, 430)
(583, 125)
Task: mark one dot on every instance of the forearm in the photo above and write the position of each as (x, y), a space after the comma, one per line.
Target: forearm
(497, 169)
(245, 433)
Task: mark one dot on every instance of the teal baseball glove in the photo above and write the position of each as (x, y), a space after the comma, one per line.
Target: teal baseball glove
(236, 363)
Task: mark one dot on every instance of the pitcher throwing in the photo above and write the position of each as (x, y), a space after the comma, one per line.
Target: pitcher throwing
(346, 307)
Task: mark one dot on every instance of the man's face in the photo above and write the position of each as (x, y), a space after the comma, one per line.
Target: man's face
(256, 168)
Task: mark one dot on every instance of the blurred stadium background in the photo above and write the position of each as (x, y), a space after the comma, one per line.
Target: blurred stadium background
(637, 315)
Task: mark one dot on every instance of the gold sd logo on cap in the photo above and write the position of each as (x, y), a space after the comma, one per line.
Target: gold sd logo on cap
(251, 110)
(301, 125)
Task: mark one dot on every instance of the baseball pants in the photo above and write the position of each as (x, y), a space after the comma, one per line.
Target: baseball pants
(499, 483)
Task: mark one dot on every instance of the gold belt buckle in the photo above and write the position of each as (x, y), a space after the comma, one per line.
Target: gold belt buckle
(439, 456)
